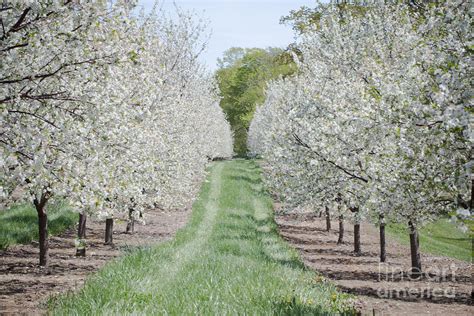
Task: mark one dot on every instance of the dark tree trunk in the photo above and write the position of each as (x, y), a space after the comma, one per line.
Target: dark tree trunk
(471, 208)
(131, 223)
(109, 230)
(81, 228)
(357, 250)
(328, 219)
(43, 228)
(43, 239)
(414, 249)
(81, 235)
(340, 239)
(383, 253)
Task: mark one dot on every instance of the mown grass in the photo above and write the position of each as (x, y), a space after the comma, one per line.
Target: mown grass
(440, 238)
(228, 260)
(19, 224)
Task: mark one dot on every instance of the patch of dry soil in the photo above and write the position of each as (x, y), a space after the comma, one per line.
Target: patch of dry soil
(381, 289)
(25, 287)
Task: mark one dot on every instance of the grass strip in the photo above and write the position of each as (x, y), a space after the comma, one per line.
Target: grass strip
(228, 260)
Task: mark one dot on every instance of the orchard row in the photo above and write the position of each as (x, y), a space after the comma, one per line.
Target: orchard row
(378, 123)
(104, 107)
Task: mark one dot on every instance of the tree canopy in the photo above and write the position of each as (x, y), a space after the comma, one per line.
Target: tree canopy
(242, 77)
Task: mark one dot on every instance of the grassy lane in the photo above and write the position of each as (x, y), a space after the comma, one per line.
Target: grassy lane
(229, 260)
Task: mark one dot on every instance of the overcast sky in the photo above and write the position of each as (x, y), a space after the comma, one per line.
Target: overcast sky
(240, 23)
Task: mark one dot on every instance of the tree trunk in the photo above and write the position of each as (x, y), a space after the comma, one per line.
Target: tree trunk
(109, 229)
(43, 228)
(328, 219)
(130, 226)
(383, 253)
(414, 250)
(357, 250)
(81, 235)
(43, 239)
(471, 208)
(81, 229)
(340, 239)
(131, 223)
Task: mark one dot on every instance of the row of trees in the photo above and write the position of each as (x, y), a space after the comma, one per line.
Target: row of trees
(378, 122)
(104, 107)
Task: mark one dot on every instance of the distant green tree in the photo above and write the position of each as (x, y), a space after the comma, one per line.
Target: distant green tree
(242, 77)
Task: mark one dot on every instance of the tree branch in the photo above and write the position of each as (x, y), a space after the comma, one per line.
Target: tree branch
(349, 173)
(34, 115)
(20, 20)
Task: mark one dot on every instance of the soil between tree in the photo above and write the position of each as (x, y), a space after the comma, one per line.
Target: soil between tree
(25, 287)
(381, 289)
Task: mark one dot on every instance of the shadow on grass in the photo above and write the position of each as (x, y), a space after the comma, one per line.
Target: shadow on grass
(244, 217)
(293, 261)
(250, 180)
(21, 218)
(233, 237)
(294, 308)
(19, 224)
(450, 238)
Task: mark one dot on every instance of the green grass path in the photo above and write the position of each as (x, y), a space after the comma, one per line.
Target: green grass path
(228, 260)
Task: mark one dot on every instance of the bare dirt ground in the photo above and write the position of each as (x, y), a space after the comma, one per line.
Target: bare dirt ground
(381, 289)
(25, 288)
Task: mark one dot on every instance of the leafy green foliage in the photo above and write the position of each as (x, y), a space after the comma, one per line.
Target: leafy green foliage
(19, 224)
(242, 77)
(229, 260)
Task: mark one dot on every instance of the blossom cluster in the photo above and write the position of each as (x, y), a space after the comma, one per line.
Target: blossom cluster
(105, 107)
(379, 118)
